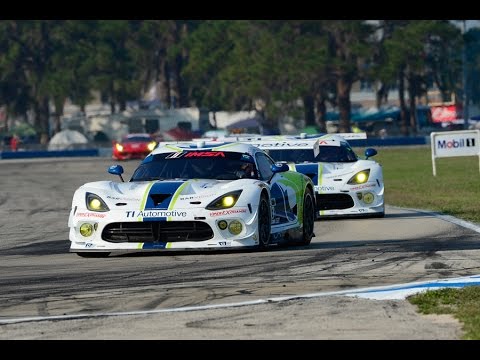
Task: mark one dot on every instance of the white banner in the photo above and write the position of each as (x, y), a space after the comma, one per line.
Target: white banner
(455, 143)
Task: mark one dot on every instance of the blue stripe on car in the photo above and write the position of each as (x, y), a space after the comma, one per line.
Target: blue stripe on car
(154, 245)
(162, 187)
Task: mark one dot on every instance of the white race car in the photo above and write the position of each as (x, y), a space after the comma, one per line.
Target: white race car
(187, 196)
(345, 184)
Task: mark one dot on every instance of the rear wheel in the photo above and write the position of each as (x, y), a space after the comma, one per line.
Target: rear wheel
(264, 222)
(308, 217)
(93, 254)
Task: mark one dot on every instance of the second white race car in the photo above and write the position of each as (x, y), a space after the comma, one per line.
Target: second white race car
(346, 185)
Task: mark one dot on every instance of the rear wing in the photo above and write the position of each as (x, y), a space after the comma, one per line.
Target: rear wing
(288, 144)
(253, 137)
(346, 136)
(192, 144)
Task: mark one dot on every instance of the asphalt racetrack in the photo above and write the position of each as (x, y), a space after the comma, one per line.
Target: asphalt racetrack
(284, 293)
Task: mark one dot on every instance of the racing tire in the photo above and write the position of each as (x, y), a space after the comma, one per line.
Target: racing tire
(308, 218)
(93, 254)
(264, 223)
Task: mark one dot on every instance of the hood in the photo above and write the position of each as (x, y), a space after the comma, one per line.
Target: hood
(160, 194)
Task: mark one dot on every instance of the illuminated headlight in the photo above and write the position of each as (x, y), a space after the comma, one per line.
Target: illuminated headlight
(359, 178)
(224, 202)
(86, 229)
(152, 145)
(119, 147)
(222, 224)
(95, 203)
(235, 227)
(368, 197)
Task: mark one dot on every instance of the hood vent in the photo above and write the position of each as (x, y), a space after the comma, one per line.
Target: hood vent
(159, 198)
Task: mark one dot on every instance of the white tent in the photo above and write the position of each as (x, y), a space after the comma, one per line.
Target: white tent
(67, 139)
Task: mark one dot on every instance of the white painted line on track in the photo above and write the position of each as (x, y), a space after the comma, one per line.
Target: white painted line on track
(391, 292)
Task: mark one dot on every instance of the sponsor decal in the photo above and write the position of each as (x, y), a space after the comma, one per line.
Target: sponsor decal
(91, 215)
(325, 188)
(455, 144)
(227, 212)
(225, 243)
(155, 213)
(123, 199)
(282, 144)
(365, 186)
(194, 197)
(89, 245)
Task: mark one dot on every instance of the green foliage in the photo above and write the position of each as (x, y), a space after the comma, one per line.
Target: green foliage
(409, 181)
(218, 64)
(463, 304)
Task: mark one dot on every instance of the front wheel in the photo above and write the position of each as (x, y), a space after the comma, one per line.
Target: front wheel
(308, 217)
(264, 222)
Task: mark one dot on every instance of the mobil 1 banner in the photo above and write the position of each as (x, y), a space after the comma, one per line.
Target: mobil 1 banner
(455, 143)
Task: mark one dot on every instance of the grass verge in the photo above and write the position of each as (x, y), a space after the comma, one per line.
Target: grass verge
(455, 190)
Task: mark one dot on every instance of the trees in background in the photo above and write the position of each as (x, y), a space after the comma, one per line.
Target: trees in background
(277, 67)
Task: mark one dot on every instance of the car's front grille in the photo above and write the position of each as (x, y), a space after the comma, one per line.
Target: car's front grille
(157, 231)
(334, 201)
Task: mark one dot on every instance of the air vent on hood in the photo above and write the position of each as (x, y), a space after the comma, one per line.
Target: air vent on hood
(159, 198)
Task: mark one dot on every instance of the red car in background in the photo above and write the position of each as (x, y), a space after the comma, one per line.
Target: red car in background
(133, 146)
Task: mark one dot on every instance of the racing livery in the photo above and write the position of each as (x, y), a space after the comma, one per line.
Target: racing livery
(190, 195)
(345, 184)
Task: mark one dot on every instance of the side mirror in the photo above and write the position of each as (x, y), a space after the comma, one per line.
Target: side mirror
(116, 170)
(280, 167)
(369, 152)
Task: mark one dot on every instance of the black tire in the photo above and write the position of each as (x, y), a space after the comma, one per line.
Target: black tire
(308, 218)
(93, 254)
(264, 223)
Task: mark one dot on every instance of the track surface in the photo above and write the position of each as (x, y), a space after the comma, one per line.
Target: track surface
(40, 278)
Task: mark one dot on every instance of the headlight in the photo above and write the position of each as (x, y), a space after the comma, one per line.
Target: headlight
(225, 201)
(86, 229)
(368, 197)
(359, 178)
(95, 203)
(119, 147)
(152, 145)
(222, 224)
(235, 227)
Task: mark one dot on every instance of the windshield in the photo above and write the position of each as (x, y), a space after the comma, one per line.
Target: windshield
(219, 165)
(136, 139)
(327, 154)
